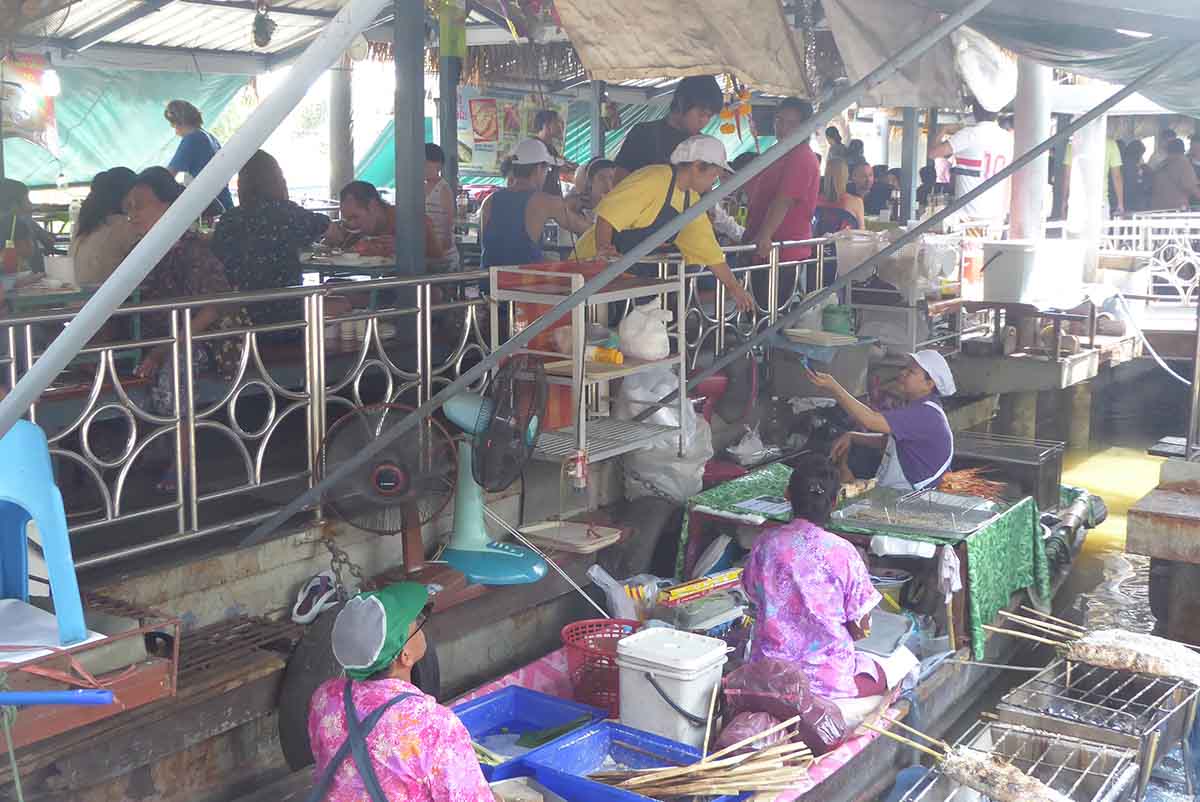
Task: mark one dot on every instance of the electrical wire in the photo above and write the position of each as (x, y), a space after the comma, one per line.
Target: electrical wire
(525, 542)
(1146, 342)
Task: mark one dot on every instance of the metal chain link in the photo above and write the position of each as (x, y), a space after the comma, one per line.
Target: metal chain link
(339, 560)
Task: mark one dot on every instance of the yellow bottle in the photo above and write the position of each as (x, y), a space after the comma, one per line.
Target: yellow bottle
(598, 353)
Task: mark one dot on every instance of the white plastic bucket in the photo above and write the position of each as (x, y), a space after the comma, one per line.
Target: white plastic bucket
(685, 668)
(1041, 272)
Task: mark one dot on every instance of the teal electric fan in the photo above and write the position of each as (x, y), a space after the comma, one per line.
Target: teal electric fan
(501, 428)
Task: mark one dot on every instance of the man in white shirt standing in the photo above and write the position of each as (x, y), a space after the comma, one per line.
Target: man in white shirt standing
(979, 152)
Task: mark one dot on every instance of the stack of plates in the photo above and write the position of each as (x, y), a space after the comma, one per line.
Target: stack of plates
(575, 537)
(814, 337)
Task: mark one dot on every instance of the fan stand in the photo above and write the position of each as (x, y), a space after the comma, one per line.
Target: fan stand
(412, 545)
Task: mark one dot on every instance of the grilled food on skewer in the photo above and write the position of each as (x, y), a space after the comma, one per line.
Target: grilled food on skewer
(999, 781)
(1133, 651)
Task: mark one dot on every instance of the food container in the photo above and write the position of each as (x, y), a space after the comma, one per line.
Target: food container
(518, 710)
(666, 671)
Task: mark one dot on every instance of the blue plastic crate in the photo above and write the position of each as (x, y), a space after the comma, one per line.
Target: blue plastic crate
(563, 765)
(518, 710)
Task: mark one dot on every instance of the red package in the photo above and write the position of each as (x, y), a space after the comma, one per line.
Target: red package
(781, 690)
(747, 725)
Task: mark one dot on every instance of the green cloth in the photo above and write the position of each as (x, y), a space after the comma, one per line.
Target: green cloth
(378, 164)
(115, 117)
(1003, 557)
(372, 629)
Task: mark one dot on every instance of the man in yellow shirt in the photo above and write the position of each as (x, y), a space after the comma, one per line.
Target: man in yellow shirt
(655, 195)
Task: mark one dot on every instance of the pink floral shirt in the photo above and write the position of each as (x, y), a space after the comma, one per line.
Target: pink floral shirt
(421, 751)
(806, 585)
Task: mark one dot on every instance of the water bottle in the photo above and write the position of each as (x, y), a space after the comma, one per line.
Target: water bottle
(73, 213)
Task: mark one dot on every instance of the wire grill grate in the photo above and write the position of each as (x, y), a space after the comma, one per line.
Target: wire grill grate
(225, 642)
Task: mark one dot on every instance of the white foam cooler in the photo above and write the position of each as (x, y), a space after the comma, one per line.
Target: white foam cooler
(686, 667)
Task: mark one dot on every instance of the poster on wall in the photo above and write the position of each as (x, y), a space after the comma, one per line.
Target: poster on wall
(26, 110)
(490, 126)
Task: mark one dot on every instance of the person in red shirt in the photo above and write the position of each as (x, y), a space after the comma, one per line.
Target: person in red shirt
(782, 198)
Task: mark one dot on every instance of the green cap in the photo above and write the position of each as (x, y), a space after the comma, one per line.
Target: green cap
(372, 628)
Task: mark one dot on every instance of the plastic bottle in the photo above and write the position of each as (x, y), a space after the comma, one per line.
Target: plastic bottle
(73, 213)
(598, 353)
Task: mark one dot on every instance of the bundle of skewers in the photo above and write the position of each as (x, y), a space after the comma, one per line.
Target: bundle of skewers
(971, 482)
(980, 771)
(731, 770)
(1116, 649)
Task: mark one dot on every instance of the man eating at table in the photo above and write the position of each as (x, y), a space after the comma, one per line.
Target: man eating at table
(368, 224)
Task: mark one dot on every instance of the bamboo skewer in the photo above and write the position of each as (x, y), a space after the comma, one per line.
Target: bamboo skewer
(647, 753)
(1060, 621)
(712, 707)
(914, 731)
(1016, 633)
(1045, 626)
(747, 741)
(906, 741)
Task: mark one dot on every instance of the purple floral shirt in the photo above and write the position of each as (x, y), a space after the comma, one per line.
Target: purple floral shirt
(806, 585)
(420, 750)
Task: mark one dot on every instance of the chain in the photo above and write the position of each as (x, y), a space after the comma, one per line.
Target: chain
(339, 560)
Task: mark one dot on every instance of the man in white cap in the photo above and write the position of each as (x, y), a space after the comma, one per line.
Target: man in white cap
(915, 438)
(511, 220)
(652, 197)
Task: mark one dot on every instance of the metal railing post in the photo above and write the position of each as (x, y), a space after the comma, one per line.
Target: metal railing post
(1194, 409)
(424, 342)
(773, 285)
(181, 510)
(191, 477)
(314, 336)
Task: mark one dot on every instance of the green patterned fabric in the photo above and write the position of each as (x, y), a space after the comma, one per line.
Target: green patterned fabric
(1004, 557)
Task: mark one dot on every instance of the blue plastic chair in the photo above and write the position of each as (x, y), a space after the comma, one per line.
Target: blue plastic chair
(28, 492)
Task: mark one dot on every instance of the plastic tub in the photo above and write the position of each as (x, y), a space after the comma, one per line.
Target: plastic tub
(667, 674)
(518, 710)
(563, 766)
(1033, 271)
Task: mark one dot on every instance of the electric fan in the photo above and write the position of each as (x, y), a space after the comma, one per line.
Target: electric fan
(501, 427)
(407, 484)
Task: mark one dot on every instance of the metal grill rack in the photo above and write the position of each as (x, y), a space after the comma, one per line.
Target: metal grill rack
(1134, 711)
(1083, 771)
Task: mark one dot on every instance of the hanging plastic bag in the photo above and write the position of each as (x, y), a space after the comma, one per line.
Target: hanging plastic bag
(643, 333)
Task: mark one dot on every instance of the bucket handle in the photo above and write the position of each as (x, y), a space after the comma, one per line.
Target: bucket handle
(697, 721)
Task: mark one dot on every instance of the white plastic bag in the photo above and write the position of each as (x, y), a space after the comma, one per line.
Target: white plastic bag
(643, 333)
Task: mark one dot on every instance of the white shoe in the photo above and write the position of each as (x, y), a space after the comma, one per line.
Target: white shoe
(318, 594)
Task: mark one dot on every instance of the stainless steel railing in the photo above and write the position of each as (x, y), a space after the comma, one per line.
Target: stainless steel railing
(242, 444)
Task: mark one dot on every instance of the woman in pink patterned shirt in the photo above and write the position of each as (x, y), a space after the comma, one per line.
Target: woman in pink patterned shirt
(811, 591)
(409, 748)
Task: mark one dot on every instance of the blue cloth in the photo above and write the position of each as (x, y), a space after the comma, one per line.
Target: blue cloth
(195, 150)
(505, 241)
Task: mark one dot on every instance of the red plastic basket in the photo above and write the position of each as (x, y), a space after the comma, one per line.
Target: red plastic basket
(592, 660)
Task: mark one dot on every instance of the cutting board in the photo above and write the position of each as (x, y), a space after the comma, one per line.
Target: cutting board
(571, 536)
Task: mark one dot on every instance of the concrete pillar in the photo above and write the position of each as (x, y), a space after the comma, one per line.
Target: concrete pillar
(1087, 206)
(597, 123)
(449, 71)
(408, 49)
(341, 126)
(1079, 424)
(910, 163)
(1032, 125)
(1018, 414)
(883, 127)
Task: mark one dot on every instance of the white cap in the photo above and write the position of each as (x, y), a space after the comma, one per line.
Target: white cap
(701, 148)
(938, 369)
(534, 151)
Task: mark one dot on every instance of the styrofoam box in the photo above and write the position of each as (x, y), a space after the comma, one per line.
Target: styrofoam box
(685, 666)
(1033, 271)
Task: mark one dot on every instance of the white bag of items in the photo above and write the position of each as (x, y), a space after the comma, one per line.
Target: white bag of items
(658, 470)
(643, 333)
(918, 269)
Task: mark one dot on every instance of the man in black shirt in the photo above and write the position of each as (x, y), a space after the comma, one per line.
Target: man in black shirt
(696, 101)
(549, 127)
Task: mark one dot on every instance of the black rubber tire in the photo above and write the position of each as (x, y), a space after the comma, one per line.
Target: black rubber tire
(312, 662)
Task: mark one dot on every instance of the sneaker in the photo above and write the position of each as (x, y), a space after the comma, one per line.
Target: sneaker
(317, 595)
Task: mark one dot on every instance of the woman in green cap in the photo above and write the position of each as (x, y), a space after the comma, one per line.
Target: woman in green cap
(374, 735)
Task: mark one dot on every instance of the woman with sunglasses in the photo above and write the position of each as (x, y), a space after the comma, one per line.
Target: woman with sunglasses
(401, 744)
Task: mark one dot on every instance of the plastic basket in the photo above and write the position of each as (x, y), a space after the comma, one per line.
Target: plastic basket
(592, 660)
(518, 710)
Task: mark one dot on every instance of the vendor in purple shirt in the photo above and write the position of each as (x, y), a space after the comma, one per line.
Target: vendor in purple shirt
(915, 438)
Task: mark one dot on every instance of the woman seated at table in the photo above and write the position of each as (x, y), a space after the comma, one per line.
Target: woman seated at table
(259, 241)
(811, 591)
(188, 269)
(103, 236)
(834, 192)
